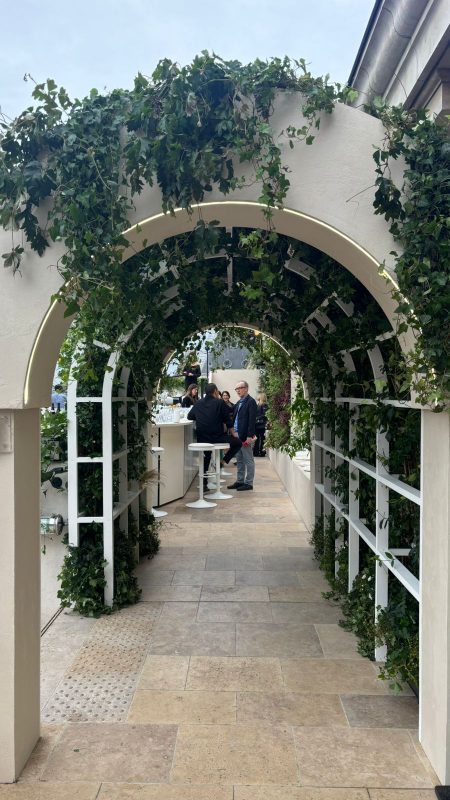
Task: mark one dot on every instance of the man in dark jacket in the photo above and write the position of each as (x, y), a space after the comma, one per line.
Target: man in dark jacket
(210, 413)
(244, 418)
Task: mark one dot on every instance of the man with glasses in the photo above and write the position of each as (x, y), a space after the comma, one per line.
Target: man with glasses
(244, 418)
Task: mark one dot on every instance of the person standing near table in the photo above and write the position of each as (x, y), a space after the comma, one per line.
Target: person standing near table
(244, 419)
(227, 400)
(191, 374)
(190, 397)
(210, 413)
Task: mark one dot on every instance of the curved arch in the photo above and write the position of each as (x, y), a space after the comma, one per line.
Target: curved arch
(231, 213)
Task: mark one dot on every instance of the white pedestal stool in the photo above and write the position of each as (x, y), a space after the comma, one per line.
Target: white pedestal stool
(155, 511)
(200, 448)
(217, 494)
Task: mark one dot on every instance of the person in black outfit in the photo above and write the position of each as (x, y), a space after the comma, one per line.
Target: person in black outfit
(210, 413)
(191, 396)
(260, 426)
(191, 374)
(227, 401)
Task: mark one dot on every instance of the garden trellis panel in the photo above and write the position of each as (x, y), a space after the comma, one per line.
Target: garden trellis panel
(324, 451)
(129, 493)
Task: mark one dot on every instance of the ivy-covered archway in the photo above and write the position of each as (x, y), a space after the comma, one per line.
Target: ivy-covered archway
(87, 186)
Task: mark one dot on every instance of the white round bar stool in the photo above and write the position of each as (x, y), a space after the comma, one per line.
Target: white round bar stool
(223, 471)
(200, 448)
(155, 511)
(212, 472)
(217, 494)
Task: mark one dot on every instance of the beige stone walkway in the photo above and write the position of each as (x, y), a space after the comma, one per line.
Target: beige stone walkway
(230, 681)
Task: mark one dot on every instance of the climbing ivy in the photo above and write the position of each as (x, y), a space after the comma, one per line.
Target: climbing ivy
(418, 211)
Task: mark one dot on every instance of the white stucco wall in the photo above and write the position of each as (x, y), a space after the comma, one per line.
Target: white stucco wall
(295, 477)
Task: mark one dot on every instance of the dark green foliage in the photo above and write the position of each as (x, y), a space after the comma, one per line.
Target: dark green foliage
(398, 627)
(82, 577)
(149, 540)
(359, 609)
(418, 212)
(126, 589)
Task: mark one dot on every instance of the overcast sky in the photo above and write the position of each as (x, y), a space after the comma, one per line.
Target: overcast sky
(104, 43)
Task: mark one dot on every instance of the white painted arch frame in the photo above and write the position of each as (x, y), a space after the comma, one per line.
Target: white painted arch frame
(287, 222)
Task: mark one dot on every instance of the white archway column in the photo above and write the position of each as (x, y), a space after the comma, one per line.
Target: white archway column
(20, 592)
(435, 589)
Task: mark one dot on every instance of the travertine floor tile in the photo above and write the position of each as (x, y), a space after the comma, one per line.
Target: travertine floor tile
(38, 759)
(157, 577)
(178, 562)
(134, 791)
(234, 612)
(290, 708)
(326, 676)
(368, 711)
(188, 706)
(306, 613)
(234, 562)
(163, 593)
(113, 752)
(49, 791)
(162, 673)
(337, 643)
(414, 734)
(297, 793)
(272, 639)
(173, 610)
(177, 638)
(298, 594)
(402, 794)
(266, 578)
(233, 593)
(233, 754)
(298, 562)
(207, 577)
(234, 674)
(359, 757)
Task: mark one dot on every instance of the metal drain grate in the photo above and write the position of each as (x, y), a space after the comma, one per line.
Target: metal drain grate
(99, 684)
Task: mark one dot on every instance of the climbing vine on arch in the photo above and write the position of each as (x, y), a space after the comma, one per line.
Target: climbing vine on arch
(188, 129)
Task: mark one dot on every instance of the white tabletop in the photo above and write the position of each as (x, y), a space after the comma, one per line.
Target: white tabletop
(173, 424)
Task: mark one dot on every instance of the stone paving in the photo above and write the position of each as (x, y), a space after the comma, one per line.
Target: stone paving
(231, 680)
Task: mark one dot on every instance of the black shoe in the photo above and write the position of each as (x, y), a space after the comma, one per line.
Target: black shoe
(235, 485)
(244, 487)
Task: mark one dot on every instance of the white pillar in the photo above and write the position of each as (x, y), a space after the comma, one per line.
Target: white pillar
(434, 729)
(20, 589)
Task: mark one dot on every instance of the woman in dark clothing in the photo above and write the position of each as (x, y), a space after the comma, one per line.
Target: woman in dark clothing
(226, 399)
(260, 426)
(191, 374)
(191, 396)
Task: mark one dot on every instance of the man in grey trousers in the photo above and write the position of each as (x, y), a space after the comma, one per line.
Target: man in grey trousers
(244, 418)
